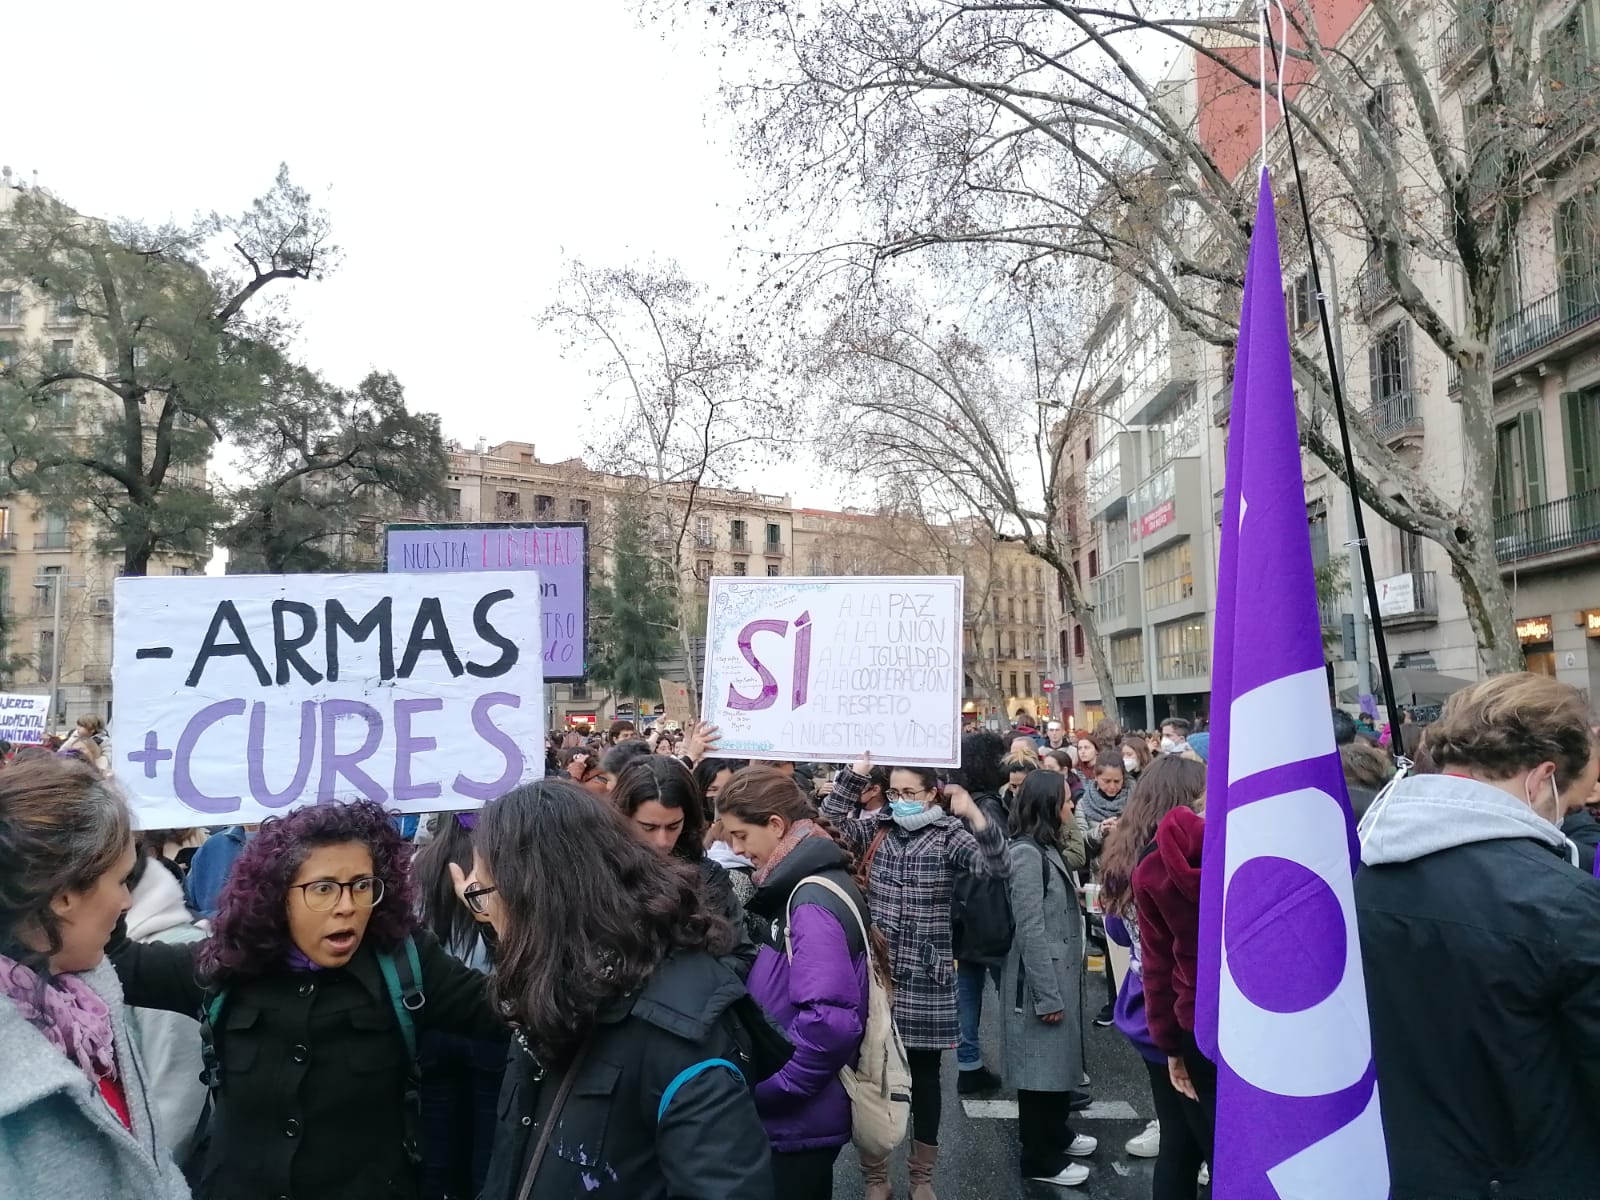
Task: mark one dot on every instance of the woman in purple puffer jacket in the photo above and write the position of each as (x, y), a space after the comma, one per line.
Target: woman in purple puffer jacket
(819, 995)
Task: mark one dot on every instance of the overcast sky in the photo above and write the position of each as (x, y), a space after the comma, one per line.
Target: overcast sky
(462, 149)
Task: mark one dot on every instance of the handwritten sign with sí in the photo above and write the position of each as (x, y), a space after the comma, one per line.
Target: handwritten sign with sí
(559, 552)
(819, 670)
(240, 696)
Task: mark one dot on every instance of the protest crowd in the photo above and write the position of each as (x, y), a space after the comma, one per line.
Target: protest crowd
(658, 972)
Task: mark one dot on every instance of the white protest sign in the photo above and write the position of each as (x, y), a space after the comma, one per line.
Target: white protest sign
(24, 720)
(240, 696)
(821, 669)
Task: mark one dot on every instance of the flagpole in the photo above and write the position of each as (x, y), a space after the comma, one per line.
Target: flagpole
(1334, 374)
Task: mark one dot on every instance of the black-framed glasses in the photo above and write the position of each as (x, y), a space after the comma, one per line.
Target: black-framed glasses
(474, 898)
(322, 895)
(906, 793)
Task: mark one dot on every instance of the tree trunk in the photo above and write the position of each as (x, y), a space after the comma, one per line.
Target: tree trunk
(1084, 615)
(136, 557)
(1473, 560)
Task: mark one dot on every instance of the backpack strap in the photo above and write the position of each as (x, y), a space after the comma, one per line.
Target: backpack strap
(828, 885)
(210, 1016)
(402, 976)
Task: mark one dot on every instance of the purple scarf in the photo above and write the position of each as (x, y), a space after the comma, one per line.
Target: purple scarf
(68, 1012)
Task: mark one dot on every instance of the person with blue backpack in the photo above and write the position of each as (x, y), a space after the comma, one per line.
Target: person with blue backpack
(312, 991)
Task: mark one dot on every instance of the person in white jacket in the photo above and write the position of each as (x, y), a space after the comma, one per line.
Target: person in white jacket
(168, 1042)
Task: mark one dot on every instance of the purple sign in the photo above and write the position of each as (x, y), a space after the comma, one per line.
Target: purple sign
(559, 552)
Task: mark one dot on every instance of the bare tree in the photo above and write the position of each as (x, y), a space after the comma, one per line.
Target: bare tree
(1037, 131)
(952, 418)
(695, 408)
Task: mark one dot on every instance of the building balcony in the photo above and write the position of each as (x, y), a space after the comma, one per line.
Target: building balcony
(1332, 613)
(1221, 404)
(1374, 289)
(773, 549)
(705, 541)
(8, 541)
(739, 545)
(1570, 315)
(52, 539)
(1463, 42)
(1408, 599)
(1115, 594)
(1396, 418)
(1557, 527)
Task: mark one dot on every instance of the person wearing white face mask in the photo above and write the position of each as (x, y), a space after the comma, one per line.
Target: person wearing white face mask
(1481, 943)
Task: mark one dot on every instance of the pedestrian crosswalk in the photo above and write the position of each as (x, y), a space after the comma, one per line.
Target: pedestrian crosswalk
(1006, 1110)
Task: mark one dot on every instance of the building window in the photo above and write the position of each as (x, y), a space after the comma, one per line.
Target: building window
(1317, 519)
(1300, 302)
(453, 502)
(507, 505)
(702, 533)
(543, 506)
(44, 595)
(739, 568)
(1094, 563)
(1038, 580)
(578, 510)
(580, 690)
(54, 534)
(1127, 658)
(181, 571)
(5, 591)
(1410, 552)
(1062, 637)
(1578, 252)
(774, 534)
(1027, 683)
(702, 569)
(1011, 609)
(1519, 473)
(1012, 680)
(47, 655)
(1580, 417)
(773, 572)
(816, 564)
(1168, 576)
(1181, 649)
(66, 308)
(1077, 641)
(1380, 113)
(10, 308)
(1011, 642)
(1389, 366)
(61, 355)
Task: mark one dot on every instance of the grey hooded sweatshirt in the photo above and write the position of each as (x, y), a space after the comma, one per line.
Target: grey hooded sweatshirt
(1429, 813)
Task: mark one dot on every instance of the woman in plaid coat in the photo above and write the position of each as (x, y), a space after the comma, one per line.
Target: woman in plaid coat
(913, 850)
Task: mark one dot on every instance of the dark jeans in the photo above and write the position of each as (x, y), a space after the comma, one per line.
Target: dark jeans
(970, 980)
(804, 1174)
(1043, 1129)
(1178, 1164)
(926, 1099)
(460, 1094)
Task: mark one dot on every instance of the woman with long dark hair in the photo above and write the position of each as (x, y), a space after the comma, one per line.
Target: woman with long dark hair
(460, 1076)
(636, 1047)
(667, 811)
(1041, 1029)
(76, 1119)
(315, 982)
(1169, 783)
(810, 973)
(914, 849)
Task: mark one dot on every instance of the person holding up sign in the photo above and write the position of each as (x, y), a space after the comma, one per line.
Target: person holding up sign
(314, 988)
(913, 850)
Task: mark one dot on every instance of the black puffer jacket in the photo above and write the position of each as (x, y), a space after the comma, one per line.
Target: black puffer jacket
(1481, 947)
(662, 1105)
(313, 1068)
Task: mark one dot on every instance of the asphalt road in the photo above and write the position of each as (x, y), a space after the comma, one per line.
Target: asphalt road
(978, 1153)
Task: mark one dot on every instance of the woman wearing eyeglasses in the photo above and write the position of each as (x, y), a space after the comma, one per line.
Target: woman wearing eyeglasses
(913, 850)
(314, 955)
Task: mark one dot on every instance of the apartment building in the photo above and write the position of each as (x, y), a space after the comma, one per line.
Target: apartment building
(55, 580)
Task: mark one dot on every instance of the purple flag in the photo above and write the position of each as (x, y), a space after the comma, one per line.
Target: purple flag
(1281, 1004)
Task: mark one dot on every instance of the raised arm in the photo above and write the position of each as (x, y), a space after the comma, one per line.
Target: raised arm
(842, 806)
(157, 974)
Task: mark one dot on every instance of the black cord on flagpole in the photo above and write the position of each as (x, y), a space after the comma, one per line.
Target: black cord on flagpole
(1387, 680)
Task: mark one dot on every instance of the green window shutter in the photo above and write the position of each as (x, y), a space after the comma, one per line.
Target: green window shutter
(1582, 441)
(1503, 492)
(1533, 456)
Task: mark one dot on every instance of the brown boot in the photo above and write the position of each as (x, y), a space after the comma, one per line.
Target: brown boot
(876, 1173)
(923, 1159)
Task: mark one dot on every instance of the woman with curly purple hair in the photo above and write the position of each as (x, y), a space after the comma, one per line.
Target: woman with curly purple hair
(312, 1073)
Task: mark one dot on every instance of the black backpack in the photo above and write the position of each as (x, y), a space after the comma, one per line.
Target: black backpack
(981, 925)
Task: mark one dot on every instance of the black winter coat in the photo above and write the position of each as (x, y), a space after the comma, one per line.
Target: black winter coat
(311, 1104)
(658, 1110)
(1583, 831)
(1483, 983)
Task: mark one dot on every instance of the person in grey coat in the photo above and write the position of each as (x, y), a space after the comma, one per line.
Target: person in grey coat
(1041, 990)
(76, 1118)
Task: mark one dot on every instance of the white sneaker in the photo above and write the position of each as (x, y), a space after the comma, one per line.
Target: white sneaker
(1146, 1144)
(1082, 1146)
(1070, 1175)
(1205, 1174)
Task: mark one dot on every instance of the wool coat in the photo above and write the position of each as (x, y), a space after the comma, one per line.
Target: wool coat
(909, 886)
(1043, 974)
(59, 1140)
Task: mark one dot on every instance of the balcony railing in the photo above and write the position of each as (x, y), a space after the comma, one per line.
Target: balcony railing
(1374, 289)
(705, 541)
(1221, 404)
(8, 541)
(1424, 601)
(1394, 416)
(1550, 528)
(773, 549)
(51, 539)
(1463, 40)
(1332, 612)
(739, 545)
